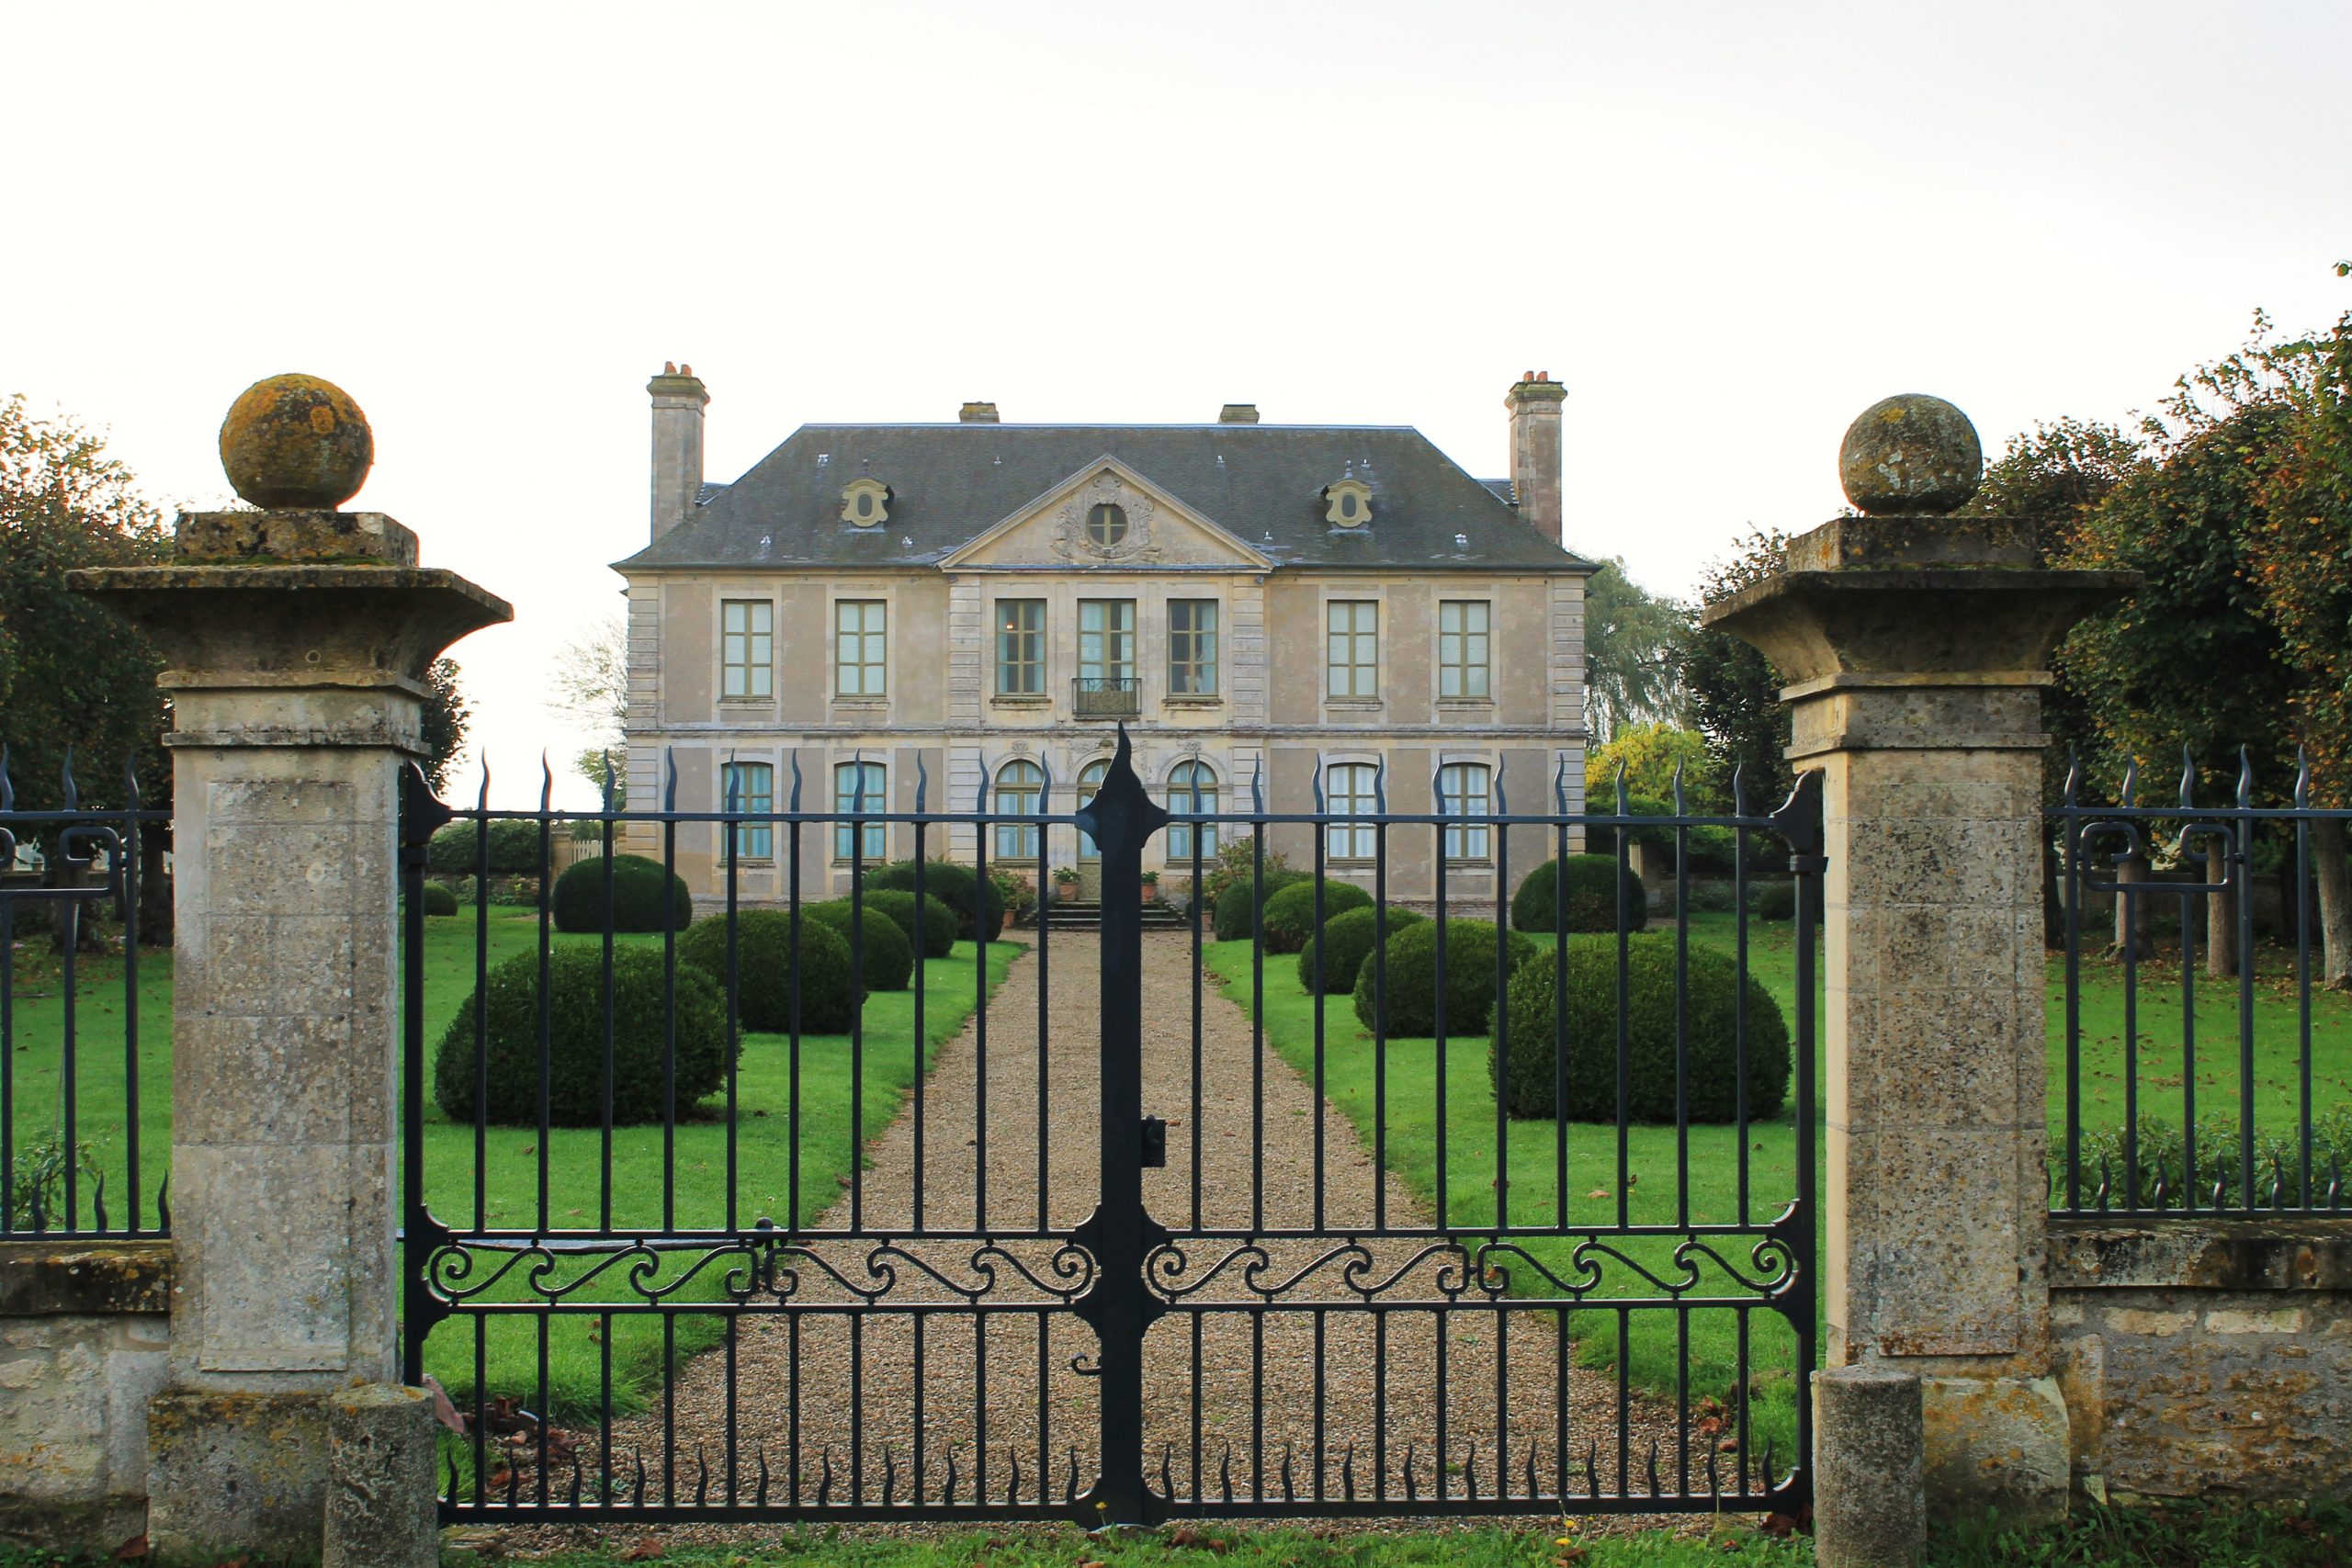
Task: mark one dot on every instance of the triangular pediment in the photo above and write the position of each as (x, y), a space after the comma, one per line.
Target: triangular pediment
(1150, 529)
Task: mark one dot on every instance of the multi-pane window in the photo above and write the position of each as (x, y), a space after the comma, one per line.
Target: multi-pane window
(748, 791)
(1089, 780)
(1462, 791)
(1106, 640)
(1191, 788)
(858, 654)
(1191, 648)
(858, 789)
(1463, 648)
(1348, 792)
(746, 648)
(1019, 792)
(1020, 647)
(1351, 659)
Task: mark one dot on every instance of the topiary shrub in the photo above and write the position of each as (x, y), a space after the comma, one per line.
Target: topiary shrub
(978, 906)
(886, 956)
(439, 900)
(1290, 913)
(1774, 901)
(936, 935)
(1345, 943)
(514, 848)
(576, 1040)
(1235, 916)
(1412, 978)
(579, 902)
(1591, 897)
(764, 971)
(1588, 1034)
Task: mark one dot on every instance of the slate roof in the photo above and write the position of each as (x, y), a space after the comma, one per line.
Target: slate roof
(951, 482)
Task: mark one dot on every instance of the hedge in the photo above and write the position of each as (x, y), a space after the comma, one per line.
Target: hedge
(1591, 897)
(439, 900)
(1345, 943)
(1412, 978)
(514, 848)
(1290, 913)
(764, 971)
(579, 902)
(1235, 917)
(978, 905)
(1588, 1034)
(887, 956)
(576, 1040)
(936, 936)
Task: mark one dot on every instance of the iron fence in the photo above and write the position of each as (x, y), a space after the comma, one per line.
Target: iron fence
(2186, 1094)
(1112, 1250)
(72, 1107)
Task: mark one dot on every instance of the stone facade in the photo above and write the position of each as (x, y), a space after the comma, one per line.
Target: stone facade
(1225, 519)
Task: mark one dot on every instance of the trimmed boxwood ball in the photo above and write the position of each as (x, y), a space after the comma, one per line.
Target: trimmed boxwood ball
(1412, 978)
(1589, 1034)
(1290, 913)
(975, 901)
(1345, 943)
(439, 900)
(936, 938)
(636, 897)
(455, 850)
(576, 1040)
(764, 971)
(889, 957)
(1236, 918)
(1591, 897)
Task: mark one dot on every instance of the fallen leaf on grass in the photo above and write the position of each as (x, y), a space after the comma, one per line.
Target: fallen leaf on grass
(643, 1551)
(1600, 1193)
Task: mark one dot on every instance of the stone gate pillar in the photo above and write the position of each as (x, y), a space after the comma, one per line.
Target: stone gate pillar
(296, 639)
(1916, 646)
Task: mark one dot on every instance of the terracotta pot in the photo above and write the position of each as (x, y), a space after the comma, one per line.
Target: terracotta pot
(1151, 892)
(1064, 892)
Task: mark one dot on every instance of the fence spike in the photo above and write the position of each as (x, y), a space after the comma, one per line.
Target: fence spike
(1560, 786)
(1469, 1472)
(1502, 803)
(1379, 786)
(2303, 781)
(890, 1474)
(1069, 1492)
(547, 783)
(1013, 1486)
(1257, 784)
(1653, 1467)
(1739, 789)
(2074, 777)
(453, 1475)
(1348, 1473)
(606, 789)
(2131, 782)
(1412, 1493)
(1290, 1488)
(7, 790)
(72, 794)
(2246, 779)
(1317, 783)
(760, 1496)
(130, 782)
(99, 1195)
(1167, 1471)
(1771, 1467)
(824, 1478)
(163, 1203)
(514, 1480)
(922, 783)
(702, 1476)
(1592, 1469)
(577, 1479)
(795, 755)
(669, 778)
(1624, 798)
(1679, 809)
(1534, 1485)
(2187, 776)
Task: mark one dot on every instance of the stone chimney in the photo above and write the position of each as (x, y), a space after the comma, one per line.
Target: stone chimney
(978, 414)
(1534, 403)
(678, 400)
(1238, 413)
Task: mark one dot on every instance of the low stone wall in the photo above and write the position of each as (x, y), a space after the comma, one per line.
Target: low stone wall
(2206, 1358)
(84, 1344)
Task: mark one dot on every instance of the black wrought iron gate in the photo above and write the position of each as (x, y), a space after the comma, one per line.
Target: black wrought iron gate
(734, 1300)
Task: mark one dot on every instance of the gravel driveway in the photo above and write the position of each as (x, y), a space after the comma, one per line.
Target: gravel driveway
(999, 1389)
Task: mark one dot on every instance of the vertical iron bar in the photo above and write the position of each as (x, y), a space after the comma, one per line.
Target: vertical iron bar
(2241, 871)
(922, 1063)
(2303, 973)
(1379, 1045)
(2074, 1017)
(128, 849)
(546, 1004)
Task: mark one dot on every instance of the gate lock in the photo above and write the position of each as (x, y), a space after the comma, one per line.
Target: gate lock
(1155, 1143)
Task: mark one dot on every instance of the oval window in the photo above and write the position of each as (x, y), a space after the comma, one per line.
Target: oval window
(1106, 524)
(1348, 504)
(865, 503)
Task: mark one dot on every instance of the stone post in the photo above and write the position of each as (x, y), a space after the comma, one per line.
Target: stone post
(1915, 645)
(294, 641)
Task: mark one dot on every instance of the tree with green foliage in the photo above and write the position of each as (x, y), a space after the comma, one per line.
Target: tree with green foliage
(1649, 754)
(589, 686)
(1629, 640)
(447, 715)
(1731, 693)
(73, 677)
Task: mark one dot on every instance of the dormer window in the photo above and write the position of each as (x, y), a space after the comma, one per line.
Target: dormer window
(865, 503)
(1348, 503)
(1106, 524)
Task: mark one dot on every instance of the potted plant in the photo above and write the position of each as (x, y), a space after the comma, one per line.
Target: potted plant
(1151, 887)
(1066, 884)
(1013, 892)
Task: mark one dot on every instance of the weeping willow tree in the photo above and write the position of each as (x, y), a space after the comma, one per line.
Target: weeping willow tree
(1629, 643)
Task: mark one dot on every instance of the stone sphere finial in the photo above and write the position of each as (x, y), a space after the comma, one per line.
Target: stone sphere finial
(1910, 453)
(296, 441)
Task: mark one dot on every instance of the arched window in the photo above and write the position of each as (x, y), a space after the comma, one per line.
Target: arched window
(1090, 779)
(858, 787)
(1464, 789)
(1348, 792)
(1020, 788)
(1191, 788)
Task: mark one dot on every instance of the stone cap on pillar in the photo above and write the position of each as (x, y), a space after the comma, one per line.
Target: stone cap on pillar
(1907, 595)
(299, 597)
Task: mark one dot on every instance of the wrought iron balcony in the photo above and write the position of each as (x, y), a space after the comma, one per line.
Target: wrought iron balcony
(1103, 696)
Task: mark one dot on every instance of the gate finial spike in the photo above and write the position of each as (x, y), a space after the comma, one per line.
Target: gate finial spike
(607, 791)
(482, 796)
(1379, 786)
(728, 791)
(669, 782)
(2246, 779)
(7, 790)
(129, 780)
(1739, 789)
(1624, 798)
(795, 755)
(2131, 782)
(2074, 776)
(980, 795)
(1256, 780)
(2302, 780)
(1319, 791)
(923, 782)
(2187, 776)
(1560, 786)
(72, 795)
(546, 783)
(1502, 804)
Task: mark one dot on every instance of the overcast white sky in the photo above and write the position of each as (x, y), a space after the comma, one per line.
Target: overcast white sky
(1726, 227)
